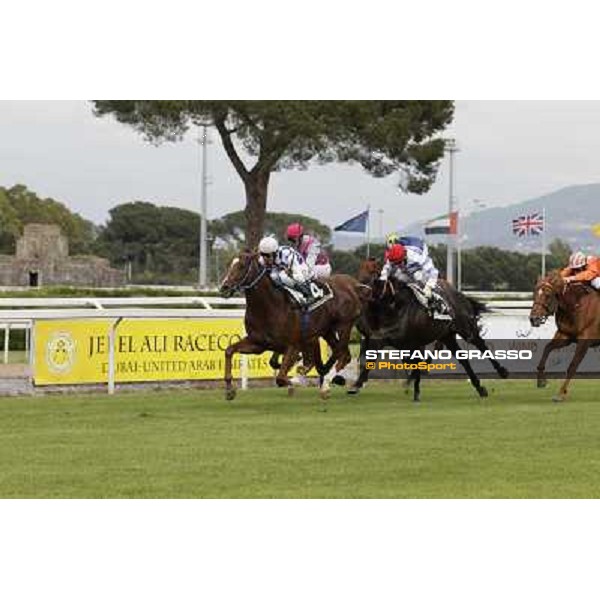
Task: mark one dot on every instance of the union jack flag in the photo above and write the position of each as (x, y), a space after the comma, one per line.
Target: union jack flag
(528, 224)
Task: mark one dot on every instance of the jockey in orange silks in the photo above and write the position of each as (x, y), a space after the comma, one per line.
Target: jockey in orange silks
(583, 269)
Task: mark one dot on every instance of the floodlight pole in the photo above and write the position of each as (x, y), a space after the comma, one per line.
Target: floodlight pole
(202, 240)
(451, 148)
(544, 225)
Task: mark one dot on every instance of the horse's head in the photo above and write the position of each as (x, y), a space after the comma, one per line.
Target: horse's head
(243, 273)
(369, 271)
(545, 298)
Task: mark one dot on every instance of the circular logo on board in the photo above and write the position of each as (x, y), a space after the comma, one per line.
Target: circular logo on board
(60, 352)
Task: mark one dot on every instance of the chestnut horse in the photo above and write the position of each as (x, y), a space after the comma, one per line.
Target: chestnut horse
(398, 319)
(576, 307)
(273, 323)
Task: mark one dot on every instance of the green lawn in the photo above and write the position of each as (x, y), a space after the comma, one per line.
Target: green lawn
(193, 444)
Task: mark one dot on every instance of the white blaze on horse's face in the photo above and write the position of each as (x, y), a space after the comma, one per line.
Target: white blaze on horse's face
(234, 262)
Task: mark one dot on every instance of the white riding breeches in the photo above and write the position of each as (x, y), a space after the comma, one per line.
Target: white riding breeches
(322, 271)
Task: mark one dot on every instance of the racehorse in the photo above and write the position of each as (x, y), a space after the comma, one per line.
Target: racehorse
(396, 318)
(576, 307)
(273, 323)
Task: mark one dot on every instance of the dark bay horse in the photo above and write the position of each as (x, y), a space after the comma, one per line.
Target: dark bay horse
(576, 307)
(273, 323)
(397, 318)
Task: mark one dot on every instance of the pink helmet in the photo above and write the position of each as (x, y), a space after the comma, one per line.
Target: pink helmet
(294, 231)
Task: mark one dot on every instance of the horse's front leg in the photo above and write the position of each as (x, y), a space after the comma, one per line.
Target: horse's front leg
(340, 357)
(289, 360)
(560, 340)
(480, 344)
(363, 375)
(244, 346)
(452, 345)
(580, 352)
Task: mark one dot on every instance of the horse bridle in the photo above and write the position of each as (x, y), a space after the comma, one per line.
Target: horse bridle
(546, 307)
(241, 286)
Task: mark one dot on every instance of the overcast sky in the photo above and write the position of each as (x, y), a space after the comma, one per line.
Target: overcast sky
(509, 151)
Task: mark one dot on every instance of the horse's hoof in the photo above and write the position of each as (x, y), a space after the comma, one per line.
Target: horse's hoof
(353, 391)
(503, 372)
(338, 380)
(417, 399)
(559, 398)
(542, 383)
(483, 393)
(291, 390)
(229, 394)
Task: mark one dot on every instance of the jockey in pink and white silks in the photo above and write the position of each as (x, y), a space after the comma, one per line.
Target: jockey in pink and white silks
(310, 248)
(288, 267)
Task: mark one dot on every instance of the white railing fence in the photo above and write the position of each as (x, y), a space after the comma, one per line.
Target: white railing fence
(21, 313)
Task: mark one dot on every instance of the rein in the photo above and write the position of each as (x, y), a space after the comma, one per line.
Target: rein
(242, 286)
(546, 307)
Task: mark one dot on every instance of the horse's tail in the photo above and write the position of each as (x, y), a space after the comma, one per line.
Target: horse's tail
(477, 306)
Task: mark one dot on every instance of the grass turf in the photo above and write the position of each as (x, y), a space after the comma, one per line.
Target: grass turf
(193, 444)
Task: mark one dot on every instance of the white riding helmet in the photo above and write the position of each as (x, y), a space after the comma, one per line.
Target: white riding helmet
(577, 260)
(268, 245)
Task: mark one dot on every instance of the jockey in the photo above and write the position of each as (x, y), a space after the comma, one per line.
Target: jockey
(409, 262)
(287, 266)
(583, 269)
(310, 248)
(406, 240)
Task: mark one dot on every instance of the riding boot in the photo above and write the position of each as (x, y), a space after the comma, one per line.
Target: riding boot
(440, 309)
(304, 289)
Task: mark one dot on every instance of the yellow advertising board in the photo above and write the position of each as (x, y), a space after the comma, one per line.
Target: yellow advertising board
(76, 351)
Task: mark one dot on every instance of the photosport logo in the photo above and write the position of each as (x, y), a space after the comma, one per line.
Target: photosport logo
(522, 358)
(60, 352)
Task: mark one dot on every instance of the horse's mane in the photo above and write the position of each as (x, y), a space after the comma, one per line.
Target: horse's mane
(554, 278)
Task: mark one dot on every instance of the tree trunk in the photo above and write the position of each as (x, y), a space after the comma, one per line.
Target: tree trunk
(256, 207)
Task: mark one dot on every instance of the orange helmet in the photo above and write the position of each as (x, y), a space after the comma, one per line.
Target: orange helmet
(396, 254)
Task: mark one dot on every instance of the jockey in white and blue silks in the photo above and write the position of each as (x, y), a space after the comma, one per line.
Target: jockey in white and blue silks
(288, 268)
(407, 260)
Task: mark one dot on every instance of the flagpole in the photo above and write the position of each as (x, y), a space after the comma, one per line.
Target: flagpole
(458, 250)
(543, 242)
(368, 230)
(451, 148)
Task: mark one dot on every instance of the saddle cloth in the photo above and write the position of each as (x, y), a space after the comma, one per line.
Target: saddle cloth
(321, 292)
(439, 302)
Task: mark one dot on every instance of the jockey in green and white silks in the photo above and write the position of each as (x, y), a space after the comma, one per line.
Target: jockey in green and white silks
(288, 268)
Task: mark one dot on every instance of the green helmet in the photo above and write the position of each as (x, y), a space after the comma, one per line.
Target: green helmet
(392, 238)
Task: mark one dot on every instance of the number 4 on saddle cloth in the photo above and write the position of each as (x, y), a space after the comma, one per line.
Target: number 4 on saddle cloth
(320, 292)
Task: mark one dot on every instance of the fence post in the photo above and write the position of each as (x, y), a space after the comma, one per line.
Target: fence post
(111, 354)
(6, 342)
(244, 370)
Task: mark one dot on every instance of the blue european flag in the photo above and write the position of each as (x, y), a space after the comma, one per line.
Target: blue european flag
(357, 224)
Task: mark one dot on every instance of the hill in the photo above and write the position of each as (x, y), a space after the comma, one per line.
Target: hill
(570, 214)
